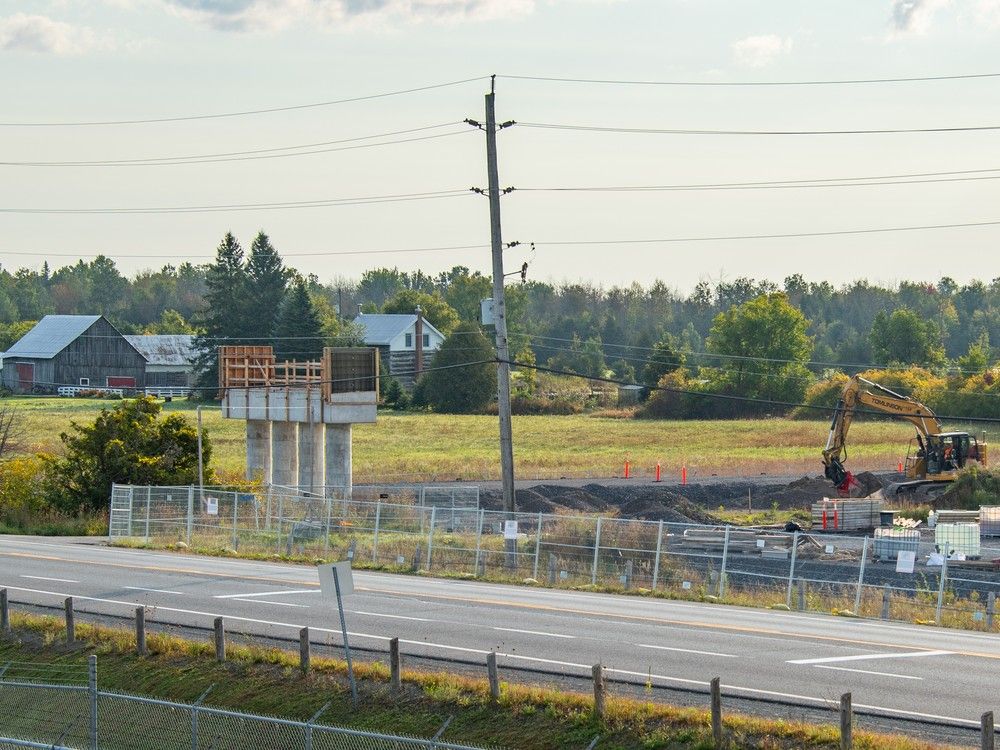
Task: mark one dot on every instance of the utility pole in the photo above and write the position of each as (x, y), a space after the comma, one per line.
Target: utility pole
(499, 307)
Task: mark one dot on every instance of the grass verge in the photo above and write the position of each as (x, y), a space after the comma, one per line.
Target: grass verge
(267, 681)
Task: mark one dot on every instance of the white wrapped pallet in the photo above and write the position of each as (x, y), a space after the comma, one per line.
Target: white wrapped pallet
(960, 538)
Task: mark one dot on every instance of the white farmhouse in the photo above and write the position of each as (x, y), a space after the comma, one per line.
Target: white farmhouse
(403, 350)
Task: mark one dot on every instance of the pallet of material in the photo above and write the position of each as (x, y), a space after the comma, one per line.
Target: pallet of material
(846, 514)
(989, 520)
(956, 516)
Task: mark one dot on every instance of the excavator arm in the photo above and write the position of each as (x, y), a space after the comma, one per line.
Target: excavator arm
(860, 392)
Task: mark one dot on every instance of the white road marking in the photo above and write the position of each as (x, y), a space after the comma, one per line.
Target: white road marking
(686, 650)
(864, 657)
(394, 617)
(155, 591)
(46, 578)
(865, 671)
(535, 632)
(267, 593)
(587, 667)
(268, 601)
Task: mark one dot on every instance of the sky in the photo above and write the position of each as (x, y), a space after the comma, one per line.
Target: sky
(413, 160)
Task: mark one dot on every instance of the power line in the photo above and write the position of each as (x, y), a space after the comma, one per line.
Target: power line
(321, 254)
(692, 131)
(243, 113)
(833, 82)
(211, 159)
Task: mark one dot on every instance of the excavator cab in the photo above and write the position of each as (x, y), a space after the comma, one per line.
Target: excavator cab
(942, 455)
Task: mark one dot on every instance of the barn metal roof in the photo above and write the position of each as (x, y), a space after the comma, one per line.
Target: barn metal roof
(51, 335)
(173, 350)
(382, 328)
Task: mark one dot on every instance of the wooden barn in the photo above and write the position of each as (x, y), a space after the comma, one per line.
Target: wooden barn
(73, 351)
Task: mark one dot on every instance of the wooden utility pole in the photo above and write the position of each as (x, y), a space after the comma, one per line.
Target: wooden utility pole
(499, 307)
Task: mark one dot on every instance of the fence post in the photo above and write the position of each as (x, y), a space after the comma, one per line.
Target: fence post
(479, 541)
(941, 583)
(493, 676)
(791, 569)
(656, 560)
(329, 513)
(70, 623)
(236, 515)
(628, 574)
(149, 502)
(4, 612)
(538, 546)
(600, 691)
(725, 559)
(988, 740)
(190, 518)
(304, 650)
(220, 640)
(552, 569)
(430, 536)
(846, 722)
(717, 713)
(194, 717)
(802, 595)
(309, 727)
(378, 519)
(92, 691)
(597, 549)
(991, 609)
(861, 577)
(267, 518)
(886, 601)
(394, 664)
(140, 631)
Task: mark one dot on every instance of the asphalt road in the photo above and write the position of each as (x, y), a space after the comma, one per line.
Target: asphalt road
(914, 674)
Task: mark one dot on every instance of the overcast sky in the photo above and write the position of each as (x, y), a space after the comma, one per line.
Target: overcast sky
(64, 61)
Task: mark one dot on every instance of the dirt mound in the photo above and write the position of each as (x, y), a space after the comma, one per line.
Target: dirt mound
(547, 498)
(664, 506)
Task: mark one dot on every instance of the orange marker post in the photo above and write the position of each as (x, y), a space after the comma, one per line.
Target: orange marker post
(657, 471)
(900, 467)
(684, 475)
(626, 469)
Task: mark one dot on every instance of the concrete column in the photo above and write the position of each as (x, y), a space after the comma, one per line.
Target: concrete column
(338, 460)
(311, 457)
(284, 454)
(319, 461)
(259, 450)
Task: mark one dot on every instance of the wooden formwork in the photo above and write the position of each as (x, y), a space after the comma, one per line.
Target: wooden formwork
(341, 370)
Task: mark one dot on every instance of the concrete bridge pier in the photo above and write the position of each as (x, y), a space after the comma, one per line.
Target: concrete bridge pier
(311, 451)
(339, 477)
(284, 454)
(259, 450)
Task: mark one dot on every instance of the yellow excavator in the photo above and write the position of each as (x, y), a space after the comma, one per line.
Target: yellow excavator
(934, 456)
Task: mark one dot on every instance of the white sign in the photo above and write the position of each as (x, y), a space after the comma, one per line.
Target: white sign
(212, 506)
(344, 577)
(563, 575)
(686, 585)
(510, 529)
(829, 549)
(760, 543)
(905, 560)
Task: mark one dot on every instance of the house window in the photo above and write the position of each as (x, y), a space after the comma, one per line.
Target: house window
(84, 381)
(427, 341)
(409, 340)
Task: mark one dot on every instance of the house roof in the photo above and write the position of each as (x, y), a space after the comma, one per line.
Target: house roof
(174, 349)
(51, 335)
(382, 328)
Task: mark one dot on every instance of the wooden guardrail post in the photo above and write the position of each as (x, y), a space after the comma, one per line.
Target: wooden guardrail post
(717, 735)
(846, 722)
(802, 595)
(493, 675)
(991, 609)
(886, 601)
(220, 640)
(988, 735)
(394, 664)
(140, 631)
(304, 655)
(600, 692)
(4, 612)
(70, 623)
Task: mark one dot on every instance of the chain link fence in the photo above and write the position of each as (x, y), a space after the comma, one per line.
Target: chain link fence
(442, 530)
(53, 706)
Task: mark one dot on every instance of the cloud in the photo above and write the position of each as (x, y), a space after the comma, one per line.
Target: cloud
(758, 51)
(988, 13)
(914, 17)
(41, 35)
(270, 15)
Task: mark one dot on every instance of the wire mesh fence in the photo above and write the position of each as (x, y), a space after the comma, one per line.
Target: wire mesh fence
(36, 714)
(953, 577)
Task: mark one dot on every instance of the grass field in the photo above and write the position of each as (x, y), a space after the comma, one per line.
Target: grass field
(416, 446)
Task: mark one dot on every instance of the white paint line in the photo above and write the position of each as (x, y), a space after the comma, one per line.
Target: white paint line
(535, 632)
(864, 657)
(267, 601)
(587, 667)
(865, 671)
(46, 578)
(154, 591)
(686, 650)
(394, 617)
(267, 593)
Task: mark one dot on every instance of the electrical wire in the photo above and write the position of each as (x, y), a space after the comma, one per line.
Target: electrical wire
(834, 82)
(243, 113)
(320, 254)
(692, 131)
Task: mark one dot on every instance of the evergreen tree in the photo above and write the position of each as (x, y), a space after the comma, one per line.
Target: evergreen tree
(222, 320)
(298, 332)
(267, 280)
(463, 375)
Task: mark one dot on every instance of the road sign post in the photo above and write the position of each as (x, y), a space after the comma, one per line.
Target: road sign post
(336, 579)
